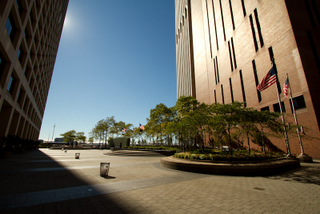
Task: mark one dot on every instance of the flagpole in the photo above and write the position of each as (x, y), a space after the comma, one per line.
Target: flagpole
(295, 116)
(284, 125)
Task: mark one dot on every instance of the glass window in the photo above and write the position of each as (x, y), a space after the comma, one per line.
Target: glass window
(9, 26)
(19, 53)
(298, 103)
(10, 85)
(276, 107)
(2, 64)
(19, 6)
(265, 108)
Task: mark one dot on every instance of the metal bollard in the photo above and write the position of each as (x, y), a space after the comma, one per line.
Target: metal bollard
(77, 156)
(104, 169)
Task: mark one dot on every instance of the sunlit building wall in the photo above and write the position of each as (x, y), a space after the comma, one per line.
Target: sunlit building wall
(233, 44)
(30, 34)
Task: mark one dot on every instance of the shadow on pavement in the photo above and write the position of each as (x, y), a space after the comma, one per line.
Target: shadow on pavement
(308, 173)
(35, 183)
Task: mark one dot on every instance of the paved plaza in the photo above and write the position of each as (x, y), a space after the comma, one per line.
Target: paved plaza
(52, 181)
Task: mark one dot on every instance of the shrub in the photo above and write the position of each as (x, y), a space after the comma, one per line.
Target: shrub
(241, 156)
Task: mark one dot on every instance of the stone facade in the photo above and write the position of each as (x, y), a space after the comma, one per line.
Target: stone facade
(30, 34)
(233, 45)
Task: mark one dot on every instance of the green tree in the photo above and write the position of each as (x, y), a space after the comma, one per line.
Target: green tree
(189, 121)
(268, 122)
(80, 137)
(69, 137)
(158, 121)
(248, 120)
(226, 118)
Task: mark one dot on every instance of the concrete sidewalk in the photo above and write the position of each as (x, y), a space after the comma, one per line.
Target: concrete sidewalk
(51, 181)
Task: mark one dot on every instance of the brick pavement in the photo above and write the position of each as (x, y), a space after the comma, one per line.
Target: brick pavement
(51, 181)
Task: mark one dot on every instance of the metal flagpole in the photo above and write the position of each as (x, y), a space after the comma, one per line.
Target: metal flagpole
(295, 116)
(53, 131)
(284, 125)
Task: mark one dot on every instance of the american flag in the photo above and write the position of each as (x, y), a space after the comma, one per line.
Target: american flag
(285, 88)
(268, 80)
(141, 127)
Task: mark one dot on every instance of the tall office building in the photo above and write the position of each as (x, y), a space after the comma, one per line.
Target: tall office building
(224, 48)
(30, 33)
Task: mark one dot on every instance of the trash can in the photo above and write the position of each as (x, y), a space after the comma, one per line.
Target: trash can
(77, 155)
(104, 169)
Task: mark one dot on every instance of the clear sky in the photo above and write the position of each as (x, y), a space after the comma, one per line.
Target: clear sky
(116, 58)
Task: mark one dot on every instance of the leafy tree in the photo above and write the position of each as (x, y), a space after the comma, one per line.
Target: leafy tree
(158, 121)
(248, 121)
(69, 136)
(102, 128)
(189, 121)
(80, 137)
(269, 121)
(226, 118)
(90, 140)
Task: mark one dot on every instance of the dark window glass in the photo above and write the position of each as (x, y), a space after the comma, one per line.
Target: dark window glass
(19, 96)
(259, 27)
(253, 33)
(9, 26)
(276, 107)
(19, 54)
(242, 88)
(256, 78)
(243, 8)
(215, 25)
(209, 28)
(215, 70)
(234, 53)
(215, 96)
(230, 56)
(217, 67)
(231, 12)
(222, 95)
(298, 103)
(10, 87)
(222, 19)
(2, 64)
(231, 90)
(265, 108)
(19, 6)
(186, 13)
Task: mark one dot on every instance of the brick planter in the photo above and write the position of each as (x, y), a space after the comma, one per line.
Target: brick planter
(259, 168)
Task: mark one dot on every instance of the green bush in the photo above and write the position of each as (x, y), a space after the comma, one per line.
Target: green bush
(153, 147)
(241, 156)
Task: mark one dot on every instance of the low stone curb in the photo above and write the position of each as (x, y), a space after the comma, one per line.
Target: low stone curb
(260, 168)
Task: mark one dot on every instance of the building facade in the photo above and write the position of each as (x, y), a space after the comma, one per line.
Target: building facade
(30, 32)
(225, 47)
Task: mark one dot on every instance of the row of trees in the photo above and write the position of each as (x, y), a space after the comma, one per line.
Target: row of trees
(192, 124)
(73, 137)
(110, 128)
(195, 123)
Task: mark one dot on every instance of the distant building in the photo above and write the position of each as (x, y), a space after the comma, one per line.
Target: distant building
(30, 34)
(58, 140)
(225, 48)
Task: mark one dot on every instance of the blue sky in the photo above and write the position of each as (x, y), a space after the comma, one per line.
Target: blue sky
(116, 58)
